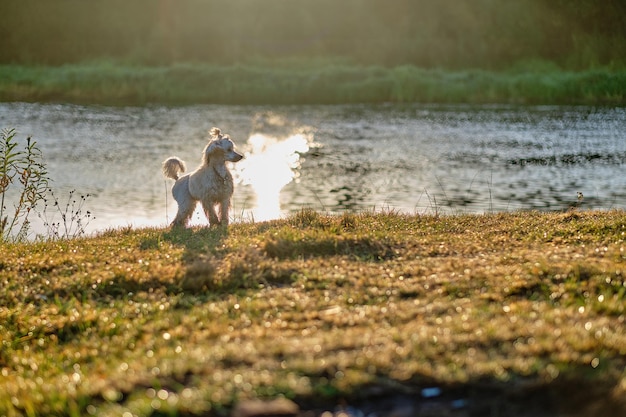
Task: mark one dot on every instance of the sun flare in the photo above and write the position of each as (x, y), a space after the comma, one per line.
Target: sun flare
(270, 164)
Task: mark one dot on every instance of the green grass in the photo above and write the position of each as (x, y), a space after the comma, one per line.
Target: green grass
(318, 308)
(304, 82)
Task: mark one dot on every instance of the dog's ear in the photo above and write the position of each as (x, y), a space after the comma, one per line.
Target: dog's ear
(212, 147)
(209, 150)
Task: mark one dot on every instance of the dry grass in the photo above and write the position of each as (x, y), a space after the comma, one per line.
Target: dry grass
(316, 308)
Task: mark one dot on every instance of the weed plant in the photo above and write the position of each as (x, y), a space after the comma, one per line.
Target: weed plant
(24, 183)
(74, 217)
(23, 176)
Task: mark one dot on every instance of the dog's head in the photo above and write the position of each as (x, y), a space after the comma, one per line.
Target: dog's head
(221, 147)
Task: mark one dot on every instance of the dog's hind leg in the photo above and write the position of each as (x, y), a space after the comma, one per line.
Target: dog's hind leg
(209, 211)
(185, 211)
(186, 203)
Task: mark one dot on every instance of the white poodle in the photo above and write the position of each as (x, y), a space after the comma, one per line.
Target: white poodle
(211, 183)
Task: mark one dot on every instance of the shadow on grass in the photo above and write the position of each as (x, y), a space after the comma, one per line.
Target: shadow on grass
(209, 265)
(312, 235)
(572, 395)
(197, 241)
(364, 249)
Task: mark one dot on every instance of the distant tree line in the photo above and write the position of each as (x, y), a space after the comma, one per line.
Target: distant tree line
(490, 34)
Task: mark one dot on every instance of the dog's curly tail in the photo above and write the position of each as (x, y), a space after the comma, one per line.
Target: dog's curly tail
(173, 167)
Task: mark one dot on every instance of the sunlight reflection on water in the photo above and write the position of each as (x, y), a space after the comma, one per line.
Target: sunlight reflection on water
(269, 165)
(411, 158)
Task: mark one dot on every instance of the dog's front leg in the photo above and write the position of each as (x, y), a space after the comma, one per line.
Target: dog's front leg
(224, 206)
(209, 211)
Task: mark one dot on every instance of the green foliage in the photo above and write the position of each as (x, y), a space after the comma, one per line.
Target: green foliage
(308, 82)
(23, 177)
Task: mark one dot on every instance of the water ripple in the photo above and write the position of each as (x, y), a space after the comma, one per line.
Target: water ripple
(413, 158)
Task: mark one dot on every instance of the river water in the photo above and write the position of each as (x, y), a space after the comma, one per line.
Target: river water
(411, 158)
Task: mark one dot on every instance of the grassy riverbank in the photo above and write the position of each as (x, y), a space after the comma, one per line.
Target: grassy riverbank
(305, 83)
(508, 312)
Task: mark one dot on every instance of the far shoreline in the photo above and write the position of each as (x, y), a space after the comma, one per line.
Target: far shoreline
(304, 83)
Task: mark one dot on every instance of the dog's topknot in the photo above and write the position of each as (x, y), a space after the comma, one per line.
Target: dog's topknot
(215, 132)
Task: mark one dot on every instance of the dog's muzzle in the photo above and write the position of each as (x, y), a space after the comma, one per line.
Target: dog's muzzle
(235, 157)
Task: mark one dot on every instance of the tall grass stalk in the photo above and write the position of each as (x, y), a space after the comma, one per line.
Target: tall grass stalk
(74, 217)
